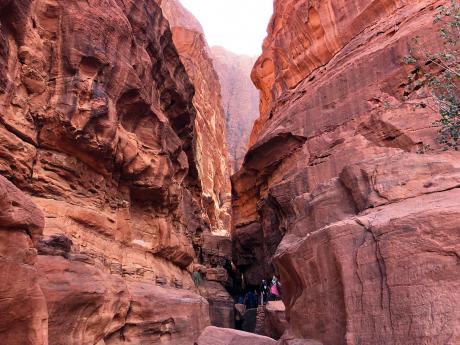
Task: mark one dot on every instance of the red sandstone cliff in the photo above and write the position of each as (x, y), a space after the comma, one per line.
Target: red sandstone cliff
(240, 100)
(210, 147)
(335, 191)
(102, 126)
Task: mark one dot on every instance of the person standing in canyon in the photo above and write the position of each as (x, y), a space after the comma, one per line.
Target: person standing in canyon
(250, 299)
(196, 276)
(274, 289)
(264, 291)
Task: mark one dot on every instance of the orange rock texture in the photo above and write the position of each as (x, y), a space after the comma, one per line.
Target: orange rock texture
(338, 192)
(240, 100)
(106, 136)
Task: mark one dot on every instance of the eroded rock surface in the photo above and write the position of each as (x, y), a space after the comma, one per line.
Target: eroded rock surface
(338, 191)
(159, 315)
(109, 131)
(84, 303)
(213, 247)
(23, 316)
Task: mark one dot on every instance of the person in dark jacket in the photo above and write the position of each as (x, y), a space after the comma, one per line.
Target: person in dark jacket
(251, 300)
(264, 290)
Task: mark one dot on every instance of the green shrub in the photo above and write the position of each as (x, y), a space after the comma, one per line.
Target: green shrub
(440, 72)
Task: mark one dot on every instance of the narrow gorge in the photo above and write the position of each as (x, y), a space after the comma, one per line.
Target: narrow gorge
(148, 181)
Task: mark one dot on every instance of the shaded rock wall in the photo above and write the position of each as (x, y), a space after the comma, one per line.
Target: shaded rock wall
(102, 125)
(337, 191)
(240, 100)
(213, 247)
(209, 135)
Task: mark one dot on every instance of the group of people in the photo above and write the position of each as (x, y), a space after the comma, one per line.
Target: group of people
(267, 292)
(253, 298)
(270, 291)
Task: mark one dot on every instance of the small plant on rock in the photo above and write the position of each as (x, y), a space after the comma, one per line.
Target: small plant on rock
(440, 72)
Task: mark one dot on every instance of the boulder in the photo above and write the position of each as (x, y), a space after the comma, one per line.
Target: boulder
(218, 274)
(275, 323)
(383, 267)
(224, 336)
(159, 315)
(221, 304)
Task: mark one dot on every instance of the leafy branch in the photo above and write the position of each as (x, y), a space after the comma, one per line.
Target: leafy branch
(440, 71)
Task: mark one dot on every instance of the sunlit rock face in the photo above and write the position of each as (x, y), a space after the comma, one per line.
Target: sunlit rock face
(338, 191)
(102, 126)
(240, 100)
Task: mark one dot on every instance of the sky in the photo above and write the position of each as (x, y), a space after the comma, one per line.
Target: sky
(239, 26)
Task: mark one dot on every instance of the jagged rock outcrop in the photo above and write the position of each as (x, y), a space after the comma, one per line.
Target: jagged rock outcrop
(103, 127)
(240, 100)
(338, 191)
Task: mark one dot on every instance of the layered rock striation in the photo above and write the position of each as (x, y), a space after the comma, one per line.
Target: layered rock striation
(103, 132)
(240, 100)
(345, 190)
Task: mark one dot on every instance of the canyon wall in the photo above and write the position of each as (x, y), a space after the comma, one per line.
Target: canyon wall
(345, 191)
(212, 156)
(113, 196)
(240, 100)
(209, 135)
